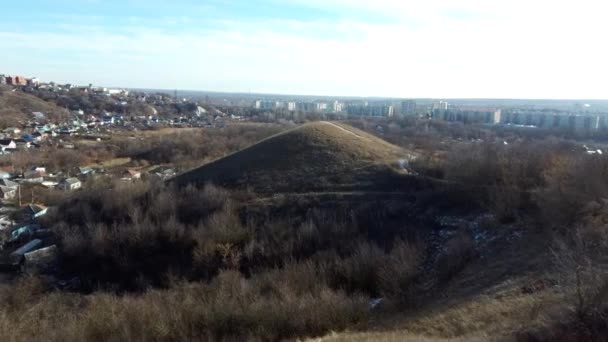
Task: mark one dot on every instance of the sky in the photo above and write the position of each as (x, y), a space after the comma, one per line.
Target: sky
(390, 48)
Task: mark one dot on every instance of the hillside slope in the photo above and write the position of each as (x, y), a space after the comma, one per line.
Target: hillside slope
(316, 156)
(17, 106)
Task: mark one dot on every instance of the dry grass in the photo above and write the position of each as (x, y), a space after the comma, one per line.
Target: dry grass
(315, 156)
(499, 317)
(18, 106)
(399, 336)
(229, 308)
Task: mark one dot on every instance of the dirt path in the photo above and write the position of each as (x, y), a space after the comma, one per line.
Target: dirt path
(342, 128)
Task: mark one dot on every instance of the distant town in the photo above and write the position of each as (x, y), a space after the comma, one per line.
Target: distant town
(216, 110)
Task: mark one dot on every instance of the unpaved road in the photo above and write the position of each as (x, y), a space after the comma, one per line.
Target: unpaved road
(342, 128)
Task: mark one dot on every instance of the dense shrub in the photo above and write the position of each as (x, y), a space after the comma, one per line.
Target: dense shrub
(230, 307)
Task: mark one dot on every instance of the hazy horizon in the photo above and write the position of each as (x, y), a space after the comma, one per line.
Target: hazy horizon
(385, 48)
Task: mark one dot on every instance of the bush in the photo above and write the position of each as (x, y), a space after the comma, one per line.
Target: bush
(459, 250)
(230, 307)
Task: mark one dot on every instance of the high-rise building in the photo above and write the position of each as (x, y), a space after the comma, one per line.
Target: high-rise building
(408, 107)
(441, 105)
(306, 106)
(321, 106)
(338, 107)
(16, 80)
(260, 104)
(371, 110)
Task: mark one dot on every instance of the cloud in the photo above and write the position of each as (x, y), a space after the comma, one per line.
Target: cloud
(433, 48)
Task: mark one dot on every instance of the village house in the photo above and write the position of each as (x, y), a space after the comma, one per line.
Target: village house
(70, 184)
(12, 130)
(40, 169)
(34, 175)
(162, 172)
(34, 81)
(7, 193)
(7, 144)
(130, 175)
(22, 143)
(9, 184)
(16, 80)
(39, 136)
(8, 189)
(86, 171)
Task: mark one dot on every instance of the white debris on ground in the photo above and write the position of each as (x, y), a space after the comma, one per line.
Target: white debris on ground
(375, 302)
(480, 228)
(404, 163)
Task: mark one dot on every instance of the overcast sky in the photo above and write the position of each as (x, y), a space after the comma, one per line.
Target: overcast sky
(397, 48)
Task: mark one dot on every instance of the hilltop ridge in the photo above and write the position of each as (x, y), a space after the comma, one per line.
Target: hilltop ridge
(311, 157)
(18, 106)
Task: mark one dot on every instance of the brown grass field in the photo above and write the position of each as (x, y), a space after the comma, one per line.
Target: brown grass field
(18, 106)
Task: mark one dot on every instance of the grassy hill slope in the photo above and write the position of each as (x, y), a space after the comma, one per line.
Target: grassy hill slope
(17, 106)
(316, 156)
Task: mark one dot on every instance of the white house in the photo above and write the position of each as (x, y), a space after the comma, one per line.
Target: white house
(70, 184)
(12, 130)
(7, 193)
(7, 144)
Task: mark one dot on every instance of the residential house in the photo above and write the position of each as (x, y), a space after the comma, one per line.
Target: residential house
(34, 175)
(9, 184)
(8, 189)
(28, 137)
(86, 171)
(12, 130)
(34, 81)
(16, 80)
(7, 144)
(163, 172)
(7, 193)
(49, 184)
(48, 128)
(70, 184)
(67, 130)
(40, 169)
(22, 143)
(130, 175)
(38, 136)
(4, 174)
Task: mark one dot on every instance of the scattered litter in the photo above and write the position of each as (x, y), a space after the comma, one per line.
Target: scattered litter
(375, 302)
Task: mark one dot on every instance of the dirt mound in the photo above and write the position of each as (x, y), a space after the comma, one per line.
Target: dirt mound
(320, 156)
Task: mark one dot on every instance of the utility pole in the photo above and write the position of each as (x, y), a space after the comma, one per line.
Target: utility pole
(19, 190)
